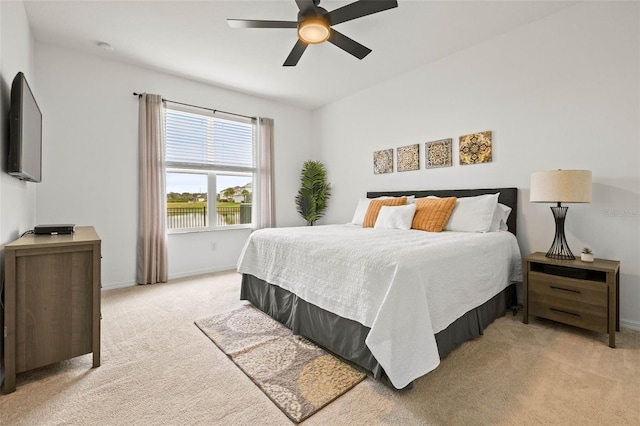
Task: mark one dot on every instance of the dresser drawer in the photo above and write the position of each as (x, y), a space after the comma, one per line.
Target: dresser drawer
(568, 289)
(579, 314)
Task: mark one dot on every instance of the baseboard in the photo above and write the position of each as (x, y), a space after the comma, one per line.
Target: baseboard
(114, 286)
(633, 325)
(202, 272)
(124, 284)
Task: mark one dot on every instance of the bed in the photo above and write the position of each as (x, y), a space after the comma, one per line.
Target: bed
(394, 302)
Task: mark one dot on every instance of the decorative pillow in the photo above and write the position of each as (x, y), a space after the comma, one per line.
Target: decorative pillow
(399, 217)
(433, 213)
(473, 214)
(375, 206)
(363, 205)
(500, 216)
(361, 211)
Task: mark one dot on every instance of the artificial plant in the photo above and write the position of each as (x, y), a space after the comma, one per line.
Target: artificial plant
(314, 192)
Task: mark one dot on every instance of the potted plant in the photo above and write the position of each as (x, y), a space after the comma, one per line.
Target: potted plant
(314, 192)
(586, 255)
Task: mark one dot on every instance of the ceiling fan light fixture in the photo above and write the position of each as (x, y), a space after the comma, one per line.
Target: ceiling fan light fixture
(315, 25)
(314, 30)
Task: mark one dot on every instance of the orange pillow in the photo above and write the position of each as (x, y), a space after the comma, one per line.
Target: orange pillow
(376, 205)
(432, 214)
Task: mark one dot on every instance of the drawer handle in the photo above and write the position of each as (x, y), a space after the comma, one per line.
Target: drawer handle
(565, 312)
(570, 290)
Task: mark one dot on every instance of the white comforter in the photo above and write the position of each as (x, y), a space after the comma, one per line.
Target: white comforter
(406, 285)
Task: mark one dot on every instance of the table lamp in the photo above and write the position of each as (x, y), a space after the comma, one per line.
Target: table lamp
(560, 186)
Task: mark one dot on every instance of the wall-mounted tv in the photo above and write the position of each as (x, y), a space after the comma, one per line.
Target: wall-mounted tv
(25, 133)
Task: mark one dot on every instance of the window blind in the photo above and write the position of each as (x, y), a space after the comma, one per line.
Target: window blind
(196, 141)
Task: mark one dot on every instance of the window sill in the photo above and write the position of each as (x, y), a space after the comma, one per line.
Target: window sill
(199, 230)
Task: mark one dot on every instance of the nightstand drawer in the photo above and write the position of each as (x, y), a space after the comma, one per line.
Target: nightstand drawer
(584, 315)
(568, 289)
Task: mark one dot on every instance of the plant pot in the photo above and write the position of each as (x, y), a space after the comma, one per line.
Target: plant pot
(586, 257)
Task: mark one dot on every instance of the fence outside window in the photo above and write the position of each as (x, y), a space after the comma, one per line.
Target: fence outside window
(196, 217)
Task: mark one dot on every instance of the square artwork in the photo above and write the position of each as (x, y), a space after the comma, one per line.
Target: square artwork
(475, 148)
(383, 161)
(409, 158)
(438, 153)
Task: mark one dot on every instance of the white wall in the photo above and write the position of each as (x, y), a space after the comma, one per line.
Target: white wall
(17, 198)
(562, 92)
(90, 157)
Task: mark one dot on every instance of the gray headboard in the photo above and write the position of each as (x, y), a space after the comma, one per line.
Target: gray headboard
(508, 197)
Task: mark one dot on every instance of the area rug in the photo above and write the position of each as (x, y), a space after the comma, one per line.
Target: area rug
(297, 375)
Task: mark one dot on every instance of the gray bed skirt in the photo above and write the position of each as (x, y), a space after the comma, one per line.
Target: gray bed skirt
(345, 337)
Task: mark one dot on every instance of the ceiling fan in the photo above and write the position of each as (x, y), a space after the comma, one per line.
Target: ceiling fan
(314, 25)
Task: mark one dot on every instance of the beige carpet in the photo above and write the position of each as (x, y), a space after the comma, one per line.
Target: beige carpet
(296, 374)
(159, 369)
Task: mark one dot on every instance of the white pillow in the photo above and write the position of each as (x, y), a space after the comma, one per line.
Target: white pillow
(363, 205)
(395, 217)
(500, 216)
(473, 214)
(361, 211)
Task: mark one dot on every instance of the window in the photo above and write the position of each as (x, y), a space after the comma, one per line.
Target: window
(210, 164)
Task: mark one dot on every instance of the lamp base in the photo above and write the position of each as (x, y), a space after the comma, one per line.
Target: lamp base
(560, 248)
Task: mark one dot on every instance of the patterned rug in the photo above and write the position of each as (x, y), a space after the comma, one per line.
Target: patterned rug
(298, 376)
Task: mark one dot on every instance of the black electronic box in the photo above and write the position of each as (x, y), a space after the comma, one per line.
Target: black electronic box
(54, 229)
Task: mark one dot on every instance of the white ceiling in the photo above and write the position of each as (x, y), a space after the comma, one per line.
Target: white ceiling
(192, 39)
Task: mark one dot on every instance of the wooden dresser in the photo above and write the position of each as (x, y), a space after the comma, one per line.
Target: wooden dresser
(573, 292)
(51, 301)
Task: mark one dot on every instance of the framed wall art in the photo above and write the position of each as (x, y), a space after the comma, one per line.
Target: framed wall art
(438, 153)
(409, 158)
(475, 148)
(383, 161)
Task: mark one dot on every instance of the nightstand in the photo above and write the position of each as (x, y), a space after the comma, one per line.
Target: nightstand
(573, 292)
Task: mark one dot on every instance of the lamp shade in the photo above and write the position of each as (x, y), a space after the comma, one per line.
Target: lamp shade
(561, 186)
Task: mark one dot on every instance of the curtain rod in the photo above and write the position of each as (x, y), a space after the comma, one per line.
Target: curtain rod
(197, 106)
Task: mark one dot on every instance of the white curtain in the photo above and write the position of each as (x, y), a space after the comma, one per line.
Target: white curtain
(152, 233)
(265, 211)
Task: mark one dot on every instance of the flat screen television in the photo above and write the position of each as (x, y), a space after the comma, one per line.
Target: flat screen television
(25, 133)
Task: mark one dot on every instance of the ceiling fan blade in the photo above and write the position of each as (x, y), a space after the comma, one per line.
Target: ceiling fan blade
(306, 6)
(249, 23)
(348, 45)
(296, 53)
(359, 9)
